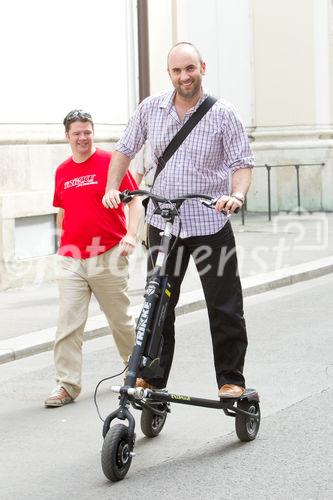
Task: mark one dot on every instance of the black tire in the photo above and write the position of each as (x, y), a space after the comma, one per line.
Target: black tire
(151, 423)
(116, 452)
(246, 427)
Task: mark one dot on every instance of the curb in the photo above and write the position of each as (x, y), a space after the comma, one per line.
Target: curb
(43, 340)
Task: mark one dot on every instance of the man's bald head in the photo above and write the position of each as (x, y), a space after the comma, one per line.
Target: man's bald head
(184, 47)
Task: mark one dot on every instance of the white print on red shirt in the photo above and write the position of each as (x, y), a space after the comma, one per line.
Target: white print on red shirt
(84, 180)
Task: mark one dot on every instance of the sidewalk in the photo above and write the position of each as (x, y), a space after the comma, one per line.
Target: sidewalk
(290, 248)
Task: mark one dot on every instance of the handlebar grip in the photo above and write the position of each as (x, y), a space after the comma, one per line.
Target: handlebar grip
(211, 204)
(125, 196)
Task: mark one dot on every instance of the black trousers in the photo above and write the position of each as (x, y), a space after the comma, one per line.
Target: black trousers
(216, 261)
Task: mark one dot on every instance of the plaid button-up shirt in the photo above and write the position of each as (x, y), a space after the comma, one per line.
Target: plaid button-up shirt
(216, 147)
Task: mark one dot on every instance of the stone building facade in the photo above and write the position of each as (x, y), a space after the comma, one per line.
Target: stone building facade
(272, 60)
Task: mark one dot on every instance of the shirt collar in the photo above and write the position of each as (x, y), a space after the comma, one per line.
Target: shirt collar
(167, 100)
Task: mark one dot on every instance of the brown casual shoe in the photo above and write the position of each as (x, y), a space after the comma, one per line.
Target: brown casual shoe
(141, 382)
(58, 397)
(231, 391)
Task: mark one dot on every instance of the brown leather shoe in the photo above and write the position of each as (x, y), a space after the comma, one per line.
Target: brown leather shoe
(141, 382)
(231, 391)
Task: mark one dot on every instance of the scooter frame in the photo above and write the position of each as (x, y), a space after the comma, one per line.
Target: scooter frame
(119, 440)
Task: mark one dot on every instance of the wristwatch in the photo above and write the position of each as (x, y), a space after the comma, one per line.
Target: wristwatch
(239, 196)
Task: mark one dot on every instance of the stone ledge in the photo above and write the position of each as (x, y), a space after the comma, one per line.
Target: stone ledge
(26, 203)
(28, 134)
(293, 133)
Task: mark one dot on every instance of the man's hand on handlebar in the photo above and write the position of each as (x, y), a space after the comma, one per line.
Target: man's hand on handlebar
(111, 199)
(228, 204)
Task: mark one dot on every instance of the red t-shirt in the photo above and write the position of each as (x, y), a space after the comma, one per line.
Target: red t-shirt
(88, 227)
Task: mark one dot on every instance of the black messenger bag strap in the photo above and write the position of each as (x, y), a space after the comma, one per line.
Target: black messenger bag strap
(183, 133)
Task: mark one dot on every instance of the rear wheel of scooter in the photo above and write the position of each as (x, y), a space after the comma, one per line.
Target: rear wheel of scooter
(246, 427)
(151, 423)
(116, 452)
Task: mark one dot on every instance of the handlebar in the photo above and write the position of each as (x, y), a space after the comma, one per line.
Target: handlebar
(127, 196)
(149, 194)
(205, 199)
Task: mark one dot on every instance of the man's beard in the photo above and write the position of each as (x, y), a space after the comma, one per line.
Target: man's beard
(188, 94)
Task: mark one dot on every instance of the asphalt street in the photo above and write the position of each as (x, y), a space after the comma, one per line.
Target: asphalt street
(55, 453)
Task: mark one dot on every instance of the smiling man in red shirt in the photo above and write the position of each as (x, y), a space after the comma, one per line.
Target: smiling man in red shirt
(93, 254)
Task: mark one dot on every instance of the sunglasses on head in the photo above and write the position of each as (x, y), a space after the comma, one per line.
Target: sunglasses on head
(77, 114)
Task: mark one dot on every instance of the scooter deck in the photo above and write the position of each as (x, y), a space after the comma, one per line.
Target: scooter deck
(228, 405)
(248, 394)
(138, 394)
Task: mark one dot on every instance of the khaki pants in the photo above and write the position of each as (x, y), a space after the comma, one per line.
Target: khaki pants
(106, 276)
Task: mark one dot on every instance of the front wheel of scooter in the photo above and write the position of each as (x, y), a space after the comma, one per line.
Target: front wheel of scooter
(117, 452)
(152, 423)
(246, 427)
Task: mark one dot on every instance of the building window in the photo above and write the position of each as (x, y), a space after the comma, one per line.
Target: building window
(35, 236)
